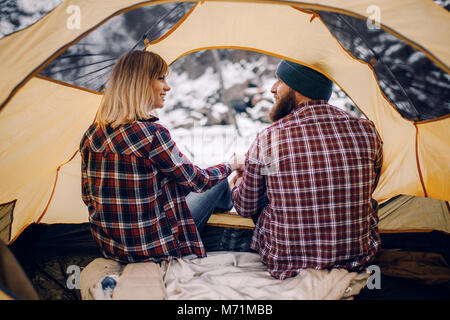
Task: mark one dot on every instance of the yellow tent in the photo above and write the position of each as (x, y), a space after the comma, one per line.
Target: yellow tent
(42, 120)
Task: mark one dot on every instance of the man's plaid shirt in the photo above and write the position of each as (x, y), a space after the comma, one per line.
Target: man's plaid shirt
(318, 167)
(132, 179)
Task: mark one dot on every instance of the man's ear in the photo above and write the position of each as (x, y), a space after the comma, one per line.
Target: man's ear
(299, 98)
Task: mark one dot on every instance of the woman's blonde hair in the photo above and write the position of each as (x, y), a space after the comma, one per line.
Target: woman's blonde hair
(128, 93)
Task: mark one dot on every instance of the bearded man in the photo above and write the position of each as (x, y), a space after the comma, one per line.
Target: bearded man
(308, 180)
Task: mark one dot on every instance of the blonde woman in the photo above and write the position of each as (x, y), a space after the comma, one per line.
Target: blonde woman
(134, 178)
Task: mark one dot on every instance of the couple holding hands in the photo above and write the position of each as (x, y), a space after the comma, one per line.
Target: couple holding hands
(306, 180)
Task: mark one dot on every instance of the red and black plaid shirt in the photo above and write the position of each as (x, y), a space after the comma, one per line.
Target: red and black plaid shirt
(131, 183)
(318, 167)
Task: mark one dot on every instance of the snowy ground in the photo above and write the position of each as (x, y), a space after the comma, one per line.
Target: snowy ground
(206, 146)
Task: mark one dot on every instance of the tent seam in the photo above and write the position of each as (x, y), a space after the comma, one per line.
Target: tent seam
(66, 84)
(54, 187)
(9, 202)
(418, 162)
(173, 29)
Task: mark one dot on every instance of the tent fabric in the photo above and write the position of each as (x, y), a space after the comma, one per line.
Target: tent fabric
(42, 121)
(40, 130)
(22, 52)
(414, 213)
(6, 216)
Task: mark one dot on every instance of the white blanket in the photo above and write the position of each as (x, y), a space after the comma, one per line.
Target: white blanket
(222, 276)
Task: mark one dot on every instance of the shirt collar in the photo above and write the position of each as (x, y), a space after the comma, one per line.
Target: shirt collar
(303, 106)
(151, 119)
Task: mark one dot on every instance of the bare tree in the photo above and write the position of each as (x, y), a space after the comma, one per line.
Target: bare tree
(223, 94)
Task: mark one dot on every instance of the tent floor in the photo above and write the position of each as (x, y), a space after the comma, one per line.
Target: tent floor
(46, 251)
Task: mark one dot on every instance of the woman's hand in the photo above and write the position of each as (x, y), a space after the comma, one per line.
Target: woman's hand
(237, 162)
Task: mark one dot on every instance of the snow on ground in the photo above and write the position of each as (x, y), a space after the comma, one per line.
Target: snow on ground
(209, 145)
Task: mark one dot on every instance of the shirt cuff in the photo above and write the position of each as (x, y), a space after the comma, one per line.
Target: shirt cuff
(228, 166)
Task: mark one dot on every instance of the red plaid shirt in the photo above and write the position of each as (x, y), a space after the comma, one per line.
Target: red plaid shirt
(131, 183)
(318, 167)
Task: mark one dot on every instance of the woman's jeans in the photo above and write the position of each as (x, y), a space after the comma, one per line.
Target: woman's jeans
(202, 205)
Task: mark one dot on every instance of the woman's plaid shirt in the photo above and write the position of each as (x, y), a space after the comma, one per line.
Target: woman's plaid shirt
(132, 179)
(318, 167)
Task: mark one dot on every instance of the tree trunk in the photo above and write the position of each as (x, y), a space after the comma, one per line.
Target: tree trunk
(218, 65)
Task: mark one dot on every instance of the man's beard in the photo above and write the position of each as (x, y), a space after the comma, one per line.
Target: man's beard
(283, 107)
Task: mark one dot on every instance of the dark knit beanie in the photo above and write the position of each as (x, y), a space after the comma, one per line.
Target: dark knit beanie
(307, 81)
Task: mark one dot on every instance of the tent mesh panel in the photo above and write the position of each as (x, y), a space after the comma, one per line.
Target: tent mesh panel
(417, 88)
(6, 218)
(89, 62)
